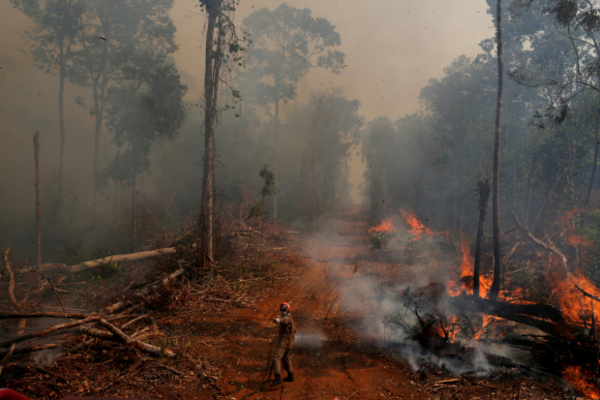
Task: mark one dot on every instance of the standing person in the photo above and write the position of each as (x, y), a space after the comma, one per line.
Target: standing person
(283, 352)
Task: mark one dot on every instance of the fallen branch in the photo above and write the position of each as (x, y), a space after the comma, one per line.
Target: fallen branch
(53, 288)
(591, 296)
(547, 246)
(48, 331)
(43, 315)
(11, 282)
(142, 292)
(34, 348)
(133, 321)
(145, 347)
(7, 357)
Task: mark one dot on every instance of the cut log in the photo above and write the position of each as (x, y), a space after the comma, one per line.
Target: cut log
(145, 347)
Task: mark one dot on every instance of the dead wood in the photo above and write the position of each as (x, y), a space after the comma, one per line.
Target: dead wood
(54, 289)
(547, 246)
(7, 357)
(121, 258)
(591, 296)
(31, 349)
(38, 201)
(133, 321)
(11, 282)
(519, 313)
(43, 315)
(145, 347)
(48, 331)
(21, 326)
(157, 285)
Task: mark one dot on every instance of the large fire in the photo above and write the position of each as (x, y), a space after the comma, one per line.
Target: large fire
(564, 284)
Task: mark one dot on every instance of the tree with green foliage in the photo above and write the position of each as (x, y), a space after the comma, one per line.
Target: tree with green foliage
(109, 32)
(288, 42)
(50, 39)
(224, 51)
(146, 106)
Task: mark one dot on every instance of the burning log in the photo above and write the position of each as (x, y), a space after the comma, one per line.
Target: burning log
(544, 317)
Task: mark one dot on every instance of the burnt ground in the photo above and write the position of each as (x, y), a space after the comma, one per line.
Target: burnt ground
(224, 343)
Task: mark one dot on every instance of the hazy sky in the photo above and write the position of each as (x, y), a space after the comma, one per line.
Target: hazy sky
(392, 49)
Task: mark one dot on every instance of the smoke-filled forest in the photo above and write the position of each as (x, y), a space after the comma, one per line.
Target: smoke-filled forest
(398, 199)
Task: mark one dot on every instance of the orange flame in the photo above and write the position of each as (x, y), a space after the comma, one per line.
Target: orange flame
(576, 376)
(417, 229)
(385, 227)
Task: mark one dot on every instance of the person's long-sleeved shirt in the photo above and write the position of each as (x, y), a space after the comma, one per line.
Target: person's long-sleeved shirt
(287, 332)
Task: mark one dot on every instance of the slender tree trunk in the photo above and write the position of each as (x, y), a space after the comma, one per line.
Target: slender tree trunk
(97, 131)
(484, 196)
(210, 111)
(496, 174)
(38, 201)
(595, 165)
(133, 215)
(118, 184)
(61, 121)
(276, 168)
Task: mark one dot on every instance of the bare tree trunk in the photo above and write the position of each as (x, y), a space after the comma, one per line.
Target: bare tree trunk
(118, 184)
(133, 216)
(276, 169)
(211, 75)
(61, 122)
(595, 165)
(496, 182)
(97, 130)
(38, 201)
(484, 196)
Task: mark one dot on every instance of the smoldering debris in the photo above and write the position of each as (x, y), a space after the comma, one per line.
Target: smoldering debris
(46, 357)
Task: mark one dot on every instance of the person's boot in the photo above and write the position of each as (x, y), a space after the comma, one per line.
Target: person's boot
(277, 380)
(289, 377)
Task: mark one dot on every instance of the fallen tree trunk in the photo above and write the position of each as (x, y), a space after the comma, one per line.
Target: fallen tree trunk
(103, 261)
(554, 324)
(48, 331)
(143, 292)
(43, 315)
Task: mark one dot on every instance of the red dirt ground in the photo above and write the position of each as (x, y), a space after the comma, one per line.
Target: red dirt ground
(345, 366)
(226, 344)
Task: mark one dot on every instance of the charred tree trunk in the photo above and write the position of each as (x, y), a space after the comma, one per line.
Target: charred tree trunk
(38, 201)
(211, 79)
(484, 196)
(496, 182)
(595, 165)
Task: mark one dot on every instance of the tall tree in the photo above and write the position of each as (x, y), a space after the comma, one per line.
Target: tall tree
(146, 106)
(288, 42)
(222, 51)
(496, 171)
(109, 32)
(50, 39)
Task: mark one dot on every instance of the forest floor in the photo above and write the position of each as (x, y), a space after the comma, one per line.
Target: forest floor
(226, 342)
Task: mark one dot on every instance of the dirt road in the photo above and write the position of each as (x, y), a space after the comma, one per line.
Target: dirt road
(331, 359)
